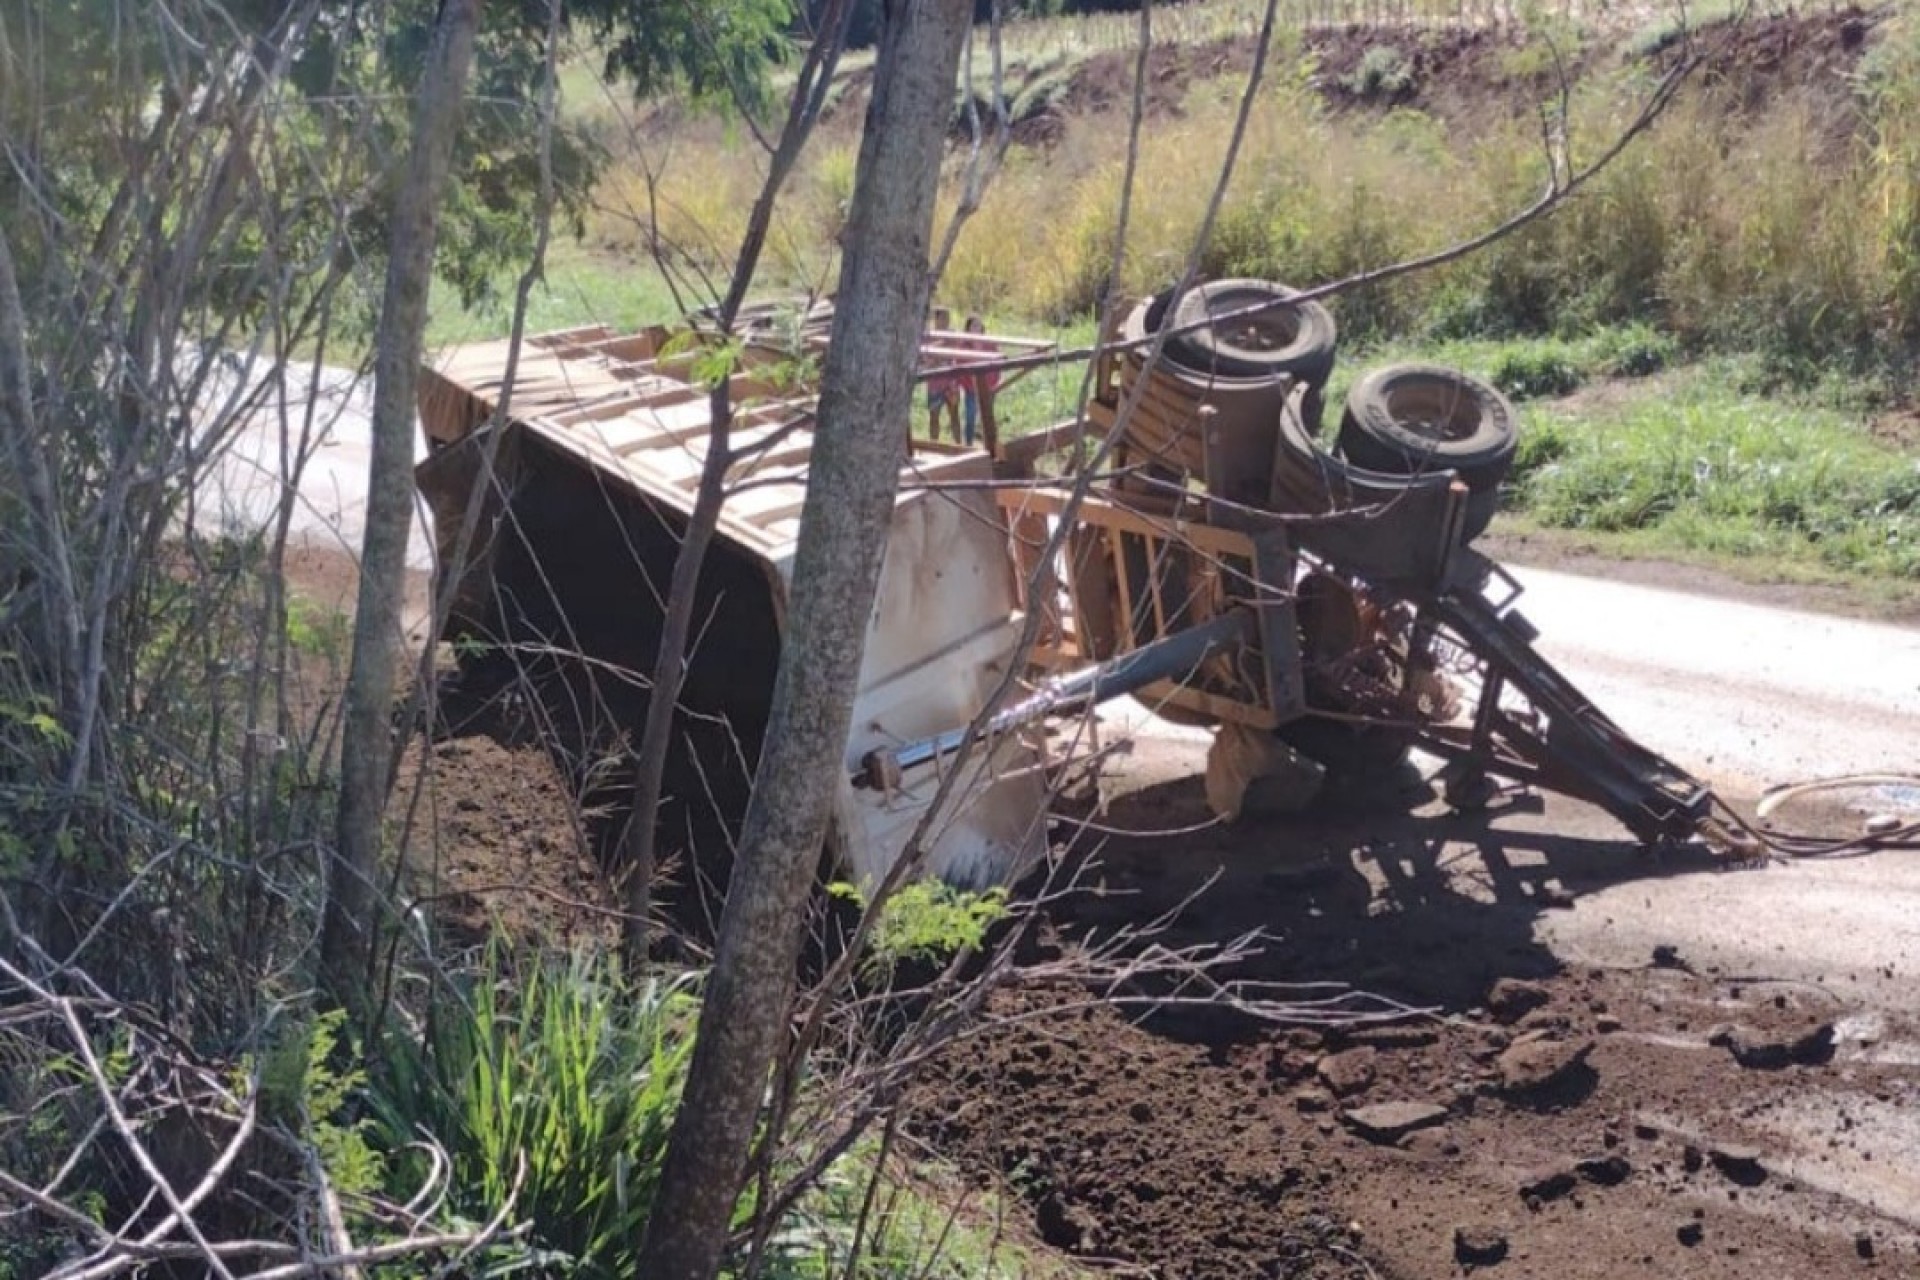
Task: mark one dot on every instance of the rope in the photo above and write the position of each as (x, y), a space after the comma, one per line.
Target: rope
(1738, 832)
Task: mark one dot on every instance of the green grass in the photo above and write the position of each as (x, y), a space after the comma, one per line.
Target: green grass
(582, 286)
(1715, 461)
(925, 1222)
(1687, 464)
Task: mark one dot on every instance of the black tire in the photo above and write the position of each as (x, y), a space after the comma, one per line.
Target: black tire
(1408, 419)
(1297, 340)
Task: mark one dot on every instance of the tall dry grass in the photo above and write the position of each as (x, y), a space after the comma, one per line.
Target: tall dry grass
(1791, 228)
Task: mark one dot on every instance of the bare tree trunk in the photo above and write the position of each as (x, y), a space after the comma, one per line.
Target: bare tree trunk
(51, 559)
(367, 728)
(865, 401)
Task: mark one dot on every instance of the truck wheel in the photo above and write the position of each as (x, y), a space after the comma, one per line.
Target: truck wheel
(1407, 419)
(1296, 340)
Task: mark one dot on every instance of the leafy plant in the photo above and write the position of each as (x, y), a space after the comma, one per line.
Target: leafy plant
(1383, 74)
(1634, 351)
(560, 1083)
(312, 1084)
(1529, 370)
(928, 920)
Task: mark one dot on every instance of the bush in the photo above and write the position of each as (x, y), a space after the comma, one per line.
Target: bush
(1527, 371)
(1382, 75)
(1634, 351)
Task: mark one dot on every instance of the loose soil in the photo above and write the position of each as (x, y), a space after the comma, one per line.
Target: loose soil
(1587, 1122)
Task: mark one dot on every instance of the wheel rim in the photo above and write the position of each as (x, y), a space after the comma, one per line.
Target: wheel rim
(1435, 411)
(1274, 330)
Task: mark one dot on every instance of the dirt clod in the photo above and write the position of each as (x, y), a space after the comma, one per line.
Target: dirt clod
(1388, 1122)
(1605, 1171)
(1479, 1245)
(1511, 999)
(1348, 1072)
(1739, 1163)
(1540, 1188)
(1537, 1062)
(1772, 1050)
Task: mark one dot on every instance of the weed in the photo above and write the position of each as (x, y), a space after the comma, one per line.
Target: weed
(927, 920)
(1383, 74)
(1526, 371)
(1633, 351)
(918, 1224)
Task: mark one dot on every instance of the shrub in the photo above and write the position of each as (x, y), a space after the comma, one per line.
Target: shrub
(1634, 351)
(1383, 74)
(1529, 370)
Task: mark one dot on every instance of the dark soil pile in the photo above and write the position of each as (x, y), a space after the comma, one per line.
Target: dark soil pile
(1551, 1122)
(496, 834)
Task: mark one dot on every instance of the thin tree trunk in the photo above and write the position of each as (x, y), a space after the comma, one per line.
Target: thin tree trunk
(865, 401)
(51, 560)
(367, 739)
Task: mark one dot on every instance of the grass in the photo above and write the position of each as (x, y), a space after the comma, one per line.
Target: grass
(1689, 464)
(1713, 460)
(924, 1223)
(582, 286)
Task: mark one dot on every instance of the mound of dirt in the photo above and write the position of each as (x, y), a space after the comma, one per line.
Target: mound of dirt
(1760, 58)
(1564, 1123)
(1462, 73)
(496, 837)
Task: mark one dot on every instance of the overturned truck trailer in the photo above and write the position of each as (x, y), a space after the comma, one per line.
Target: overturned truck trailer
(594, 476)
(1320, 605)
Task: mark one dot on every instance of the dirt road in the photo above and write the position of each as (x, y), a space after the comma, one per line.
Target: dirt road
(1639, 1067)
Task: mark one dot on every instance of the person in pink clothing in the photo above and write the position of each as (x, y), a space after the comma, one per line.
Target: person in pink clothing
(978, 390)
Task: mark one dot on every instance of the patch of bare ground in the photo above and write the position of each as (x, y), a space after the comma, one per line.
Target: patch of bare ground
(1760, 57)
(1548, 1120)
(1898, 427)
(494, 835)
(1466, 73)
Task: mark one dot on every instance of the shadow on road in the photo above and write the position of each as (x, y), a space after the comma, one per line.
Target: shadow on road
(1389, 892)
